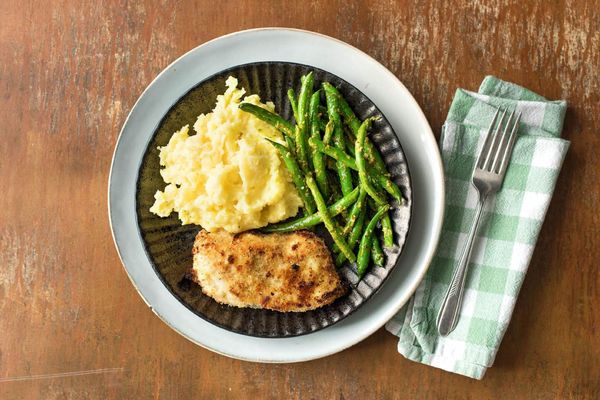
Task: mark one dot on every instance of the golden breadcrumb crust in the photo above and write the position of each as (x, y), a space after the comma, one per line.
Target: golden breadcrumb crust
(277, 271)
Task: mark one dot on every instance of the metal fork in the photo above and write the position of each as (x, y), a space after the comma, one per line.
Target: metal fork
(488, 175)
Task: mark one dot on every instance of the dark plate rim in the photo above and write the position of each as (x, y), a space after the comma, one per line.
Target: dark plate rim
(242, 332)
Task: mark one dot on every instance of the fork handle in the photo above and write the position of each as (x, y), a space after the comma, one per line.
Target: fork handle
(450, 310)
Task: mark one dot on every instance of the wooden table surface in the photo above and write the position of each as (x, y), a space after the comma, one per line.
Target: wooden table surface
(71, 324)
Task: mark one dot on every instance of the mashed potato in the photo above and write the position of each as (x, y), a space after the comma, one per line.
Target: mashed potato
(226, 176)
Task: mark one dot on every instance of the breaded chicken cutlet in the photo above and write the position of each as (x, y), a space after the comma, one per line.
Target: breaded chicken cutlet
(278, 271)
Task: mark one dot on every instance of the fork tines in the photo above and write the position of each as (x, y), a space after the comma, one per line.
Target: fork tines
(499, 142)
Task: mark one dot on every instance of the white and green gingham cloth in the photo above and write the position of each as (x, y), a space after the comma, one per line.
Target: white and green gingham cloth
(506, 237)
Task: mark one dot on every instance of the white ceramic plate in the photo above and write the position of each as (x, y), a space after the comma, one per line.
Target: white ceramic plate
(350, 64)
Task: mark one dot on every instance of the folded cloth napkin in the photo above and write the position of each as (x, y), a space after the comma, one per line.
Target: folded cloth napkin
(506, 238)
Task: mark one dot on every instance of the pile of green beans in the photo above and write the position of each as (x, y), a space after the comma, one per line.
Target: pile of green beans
(338, 172)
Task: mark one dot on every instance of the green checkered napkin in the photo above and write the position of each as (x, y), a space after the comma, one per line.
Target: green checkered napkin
(507, 234)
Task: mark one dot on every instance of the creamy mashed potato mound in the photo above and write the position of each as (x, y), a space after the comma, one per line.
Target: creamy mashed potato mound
(226, 175)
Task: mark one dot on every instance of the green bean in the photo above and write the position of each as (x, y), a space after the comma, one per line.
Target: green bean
(334, 187)
(362, 165)
(388, 233)
(386, 226)
(343, 170)
(332, 111)
(290, 145)
(292, 97)
(317, 158)
(374, 157)
(355, 212)
(334, 153)
(304, 97)
(328, 132)
(364, 250)
(388, 185)
(297, 177)
(371, 153)
(338, 138)
(382, 180)
(314, 219)
(353, 216)
(383, 176)
(377, 252)
(269, 117)
(354, 235)
(349, 117)
(328, 220)
(303, 122)
(350, 140)
(340, 105)
(301, 149)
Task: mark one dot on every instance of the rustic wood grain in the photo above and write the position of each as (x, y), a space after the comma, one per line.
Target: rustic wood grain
(69, 73)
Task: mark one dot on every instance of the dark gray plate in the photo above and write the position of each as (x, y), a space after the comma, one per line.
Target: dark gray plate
(169, 244)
